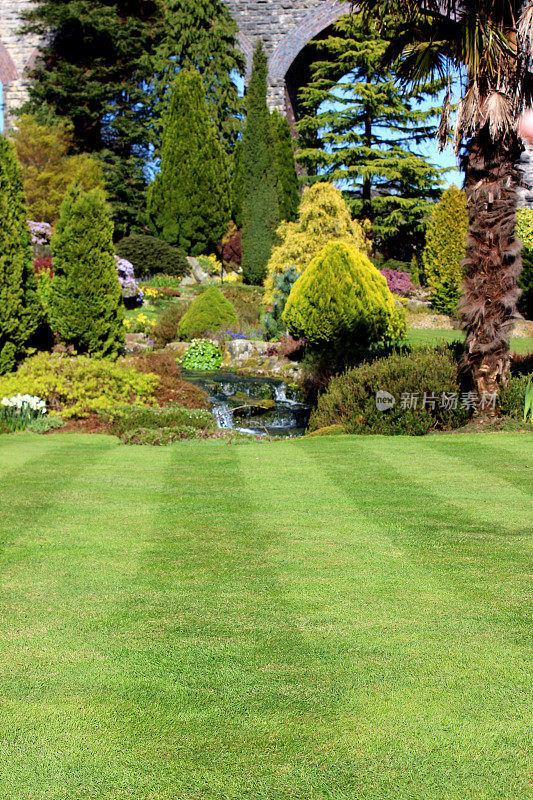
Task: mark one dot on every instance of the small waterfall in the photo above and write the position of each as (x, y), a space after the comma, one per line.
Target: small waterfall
(271, 412)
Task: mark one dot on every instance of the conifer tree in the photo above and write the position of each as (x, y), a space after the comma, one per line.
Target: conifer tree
(260, 213)
(20, 309)
(237, 184)
(95, 67)
(86, 308)
(202, 35)
(188, 202)
(288, 196)
(445, 250)
(360, 126)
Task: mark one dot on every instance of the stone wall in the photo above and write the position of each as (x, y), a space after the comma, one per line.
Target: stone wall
(285, 26)
(17, 53)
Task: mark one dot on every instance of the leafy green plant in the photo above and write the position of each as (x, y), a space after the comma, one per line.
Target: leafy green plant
(203, 354)
(431, 373)
(152, 256)
(45, 423)
(79, 386)
(528, 402)
(273, 317)
(210, 311)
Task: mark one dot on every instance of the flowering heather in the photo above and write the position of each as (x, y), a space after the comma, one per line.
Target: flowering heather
(130, 289)
(398, 282)
(43, 264)
(41, 232)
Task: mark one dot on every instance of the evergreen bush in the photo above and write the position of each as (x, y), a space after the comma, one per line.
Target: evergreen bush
(350, 400)
(85, 306)
(524, 231)
(20, 307)
(288, 195)
(272, 320)
(188, 202)
(260, 213)
(208, 313)
(150, 256)
(445, 249)
(323, 217)
(342, 297)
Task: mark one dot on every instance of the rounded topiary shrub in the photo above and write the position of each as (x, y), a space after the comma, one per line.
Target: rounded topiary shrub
(342, 297)
(424, 385)
(210, 312)
(150, 255)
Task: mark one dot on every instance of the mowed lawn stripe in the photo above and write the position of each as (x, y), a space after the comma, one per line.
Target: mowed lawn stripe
(394, 645)
(262, 621)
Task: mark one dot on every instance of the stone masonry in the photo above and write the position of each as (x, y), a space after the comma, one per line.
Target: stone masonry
(285, 26)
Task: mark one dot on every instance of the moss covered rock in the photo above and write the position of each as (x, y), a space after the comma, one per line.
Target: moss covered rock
(211, 311)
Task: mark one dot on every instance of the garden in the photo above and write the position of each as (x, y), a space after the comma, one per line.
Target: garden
(266, 404)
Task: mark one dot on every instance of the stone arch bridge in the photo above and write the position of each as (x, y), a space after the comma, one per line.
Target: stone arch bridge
(285, 27)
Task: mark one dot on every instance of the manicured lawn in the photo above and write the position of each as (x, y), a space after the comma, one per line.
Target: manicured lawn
(431, 337)
(333, 619)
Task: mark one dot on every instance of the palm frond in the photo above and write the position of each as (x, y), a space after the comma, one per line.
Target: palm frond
(498, 114)
(444, 125)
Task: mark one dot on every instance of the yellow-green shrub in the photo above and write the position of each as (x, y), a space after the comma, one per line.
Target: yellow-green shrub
(323, 217)
(78, 386)
(209, 312)
(445, 249)
(342, 296)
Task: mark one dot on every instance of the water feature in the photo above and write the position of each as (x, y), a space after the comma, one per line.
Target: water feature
(261, 406)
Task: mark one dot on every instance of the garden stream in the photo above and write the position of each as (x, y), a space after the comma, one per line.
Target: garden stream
(260, 406)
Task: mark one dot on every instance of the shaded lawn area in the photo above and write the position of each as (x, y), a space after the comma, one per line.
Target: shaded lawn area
(434, 336)
(342, 618)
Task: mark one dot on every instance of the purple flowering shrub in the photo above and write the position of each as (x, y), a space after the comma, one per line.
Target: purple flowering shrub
(131, 292)
(398, 282)
(41, 232)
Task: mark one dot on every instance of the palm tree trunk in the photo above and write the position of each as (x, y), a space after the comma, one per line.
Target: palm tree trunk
(493, 262)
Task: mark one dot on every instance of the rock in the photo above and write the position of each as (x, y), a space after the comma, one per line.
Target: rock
(199, 275)
(177, 347)
(417, 305)
(188, 280)
(136, 343)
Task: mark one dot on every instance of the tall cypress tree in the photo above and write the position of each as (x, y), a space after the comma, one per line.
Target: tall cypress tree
(361, 127)
(189, 200)
(288, 196)
(202, 35)
(20, 309)
(86, 308)
(95, 65)
(260, 211)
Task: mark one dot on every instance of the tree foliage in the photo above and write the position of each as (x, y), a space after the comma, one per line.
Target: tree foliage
(323, 216)
(365, 129)
(47, 168)
(188, 202)
(210, 312)
(288, 194)
(20, 308)
(524, 231)
(85, 306)
(95, 65)
(202, 35)
(342, 296)
(491, 44)
(260, 212)
(445, 250)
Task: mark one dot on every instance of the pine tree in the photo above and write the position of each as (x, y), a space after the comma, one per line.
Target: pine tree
(362, 128)
(288, 196)
(260, 211)
(188, 202)
(95, 68)
(202, 35)
(20, 309)
(445, 250)
(237, 184)
(86, 308)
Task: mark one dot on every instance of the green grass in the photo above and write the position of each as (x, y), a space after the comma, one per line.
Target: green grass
(434, 336)
(334, 619)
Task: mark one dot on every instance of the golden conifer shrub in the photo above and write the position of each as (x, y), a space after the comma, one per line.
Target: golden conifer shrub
(323, 217)
(340, 297)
